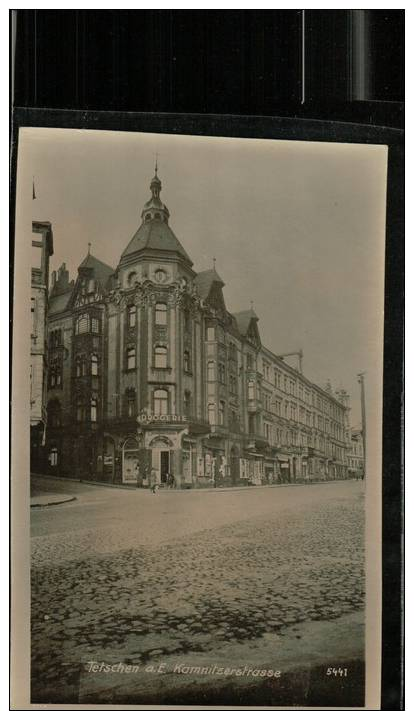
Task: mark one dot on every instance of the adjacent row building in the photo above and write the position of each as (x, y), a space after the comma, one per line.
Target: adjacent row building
(148, 370)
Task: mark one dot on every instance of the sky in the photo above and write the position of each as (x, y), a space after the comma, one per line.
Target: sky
(296, 227)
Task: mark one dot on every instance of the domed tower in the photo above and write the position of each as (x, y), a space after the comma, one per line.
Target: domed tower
(154, 336)
(154, 252)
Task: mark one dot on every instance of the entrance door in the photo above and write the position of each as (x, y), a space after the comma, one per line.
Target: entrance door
(164, 465)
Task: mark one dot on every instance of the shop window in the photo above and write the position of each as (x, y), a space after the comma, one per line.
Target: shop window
(160, 357)
(161, 314)
(131, 358)
(160, 402)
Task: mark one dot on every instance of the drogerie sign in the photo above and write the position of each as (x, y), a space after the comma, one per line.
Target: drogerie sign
(162, 418)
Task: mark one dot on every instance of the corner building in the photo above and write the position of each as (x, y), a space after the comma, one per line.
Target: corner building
(148, 370)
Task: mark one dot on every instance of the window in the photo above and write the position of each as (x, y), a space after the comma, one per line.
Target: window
(232, 352)
(267, 431)
(78, 363)
(33, 313)
(131, 358)
(187, 362)
(84, 368)
(222, 373)
(95, 325)
(94, 364)
(160, 357)
(94, 409)
(160, 402)
(187, 322)
(80, 410)
(132, 316)
(221, 412)
(187, 402)
(91, 286)
(211, 371)
(161, 314)
(211, 333)
(211, 414)
(54, 411)
(130, 402)
(249, 361)
(251, 390)
(82, 324)
(233, 385)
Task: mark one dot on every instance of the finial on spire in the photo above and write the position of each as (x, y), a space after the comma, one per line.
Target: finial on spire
(214, 262)
(89, 247)
(251, 305)
(156, 163)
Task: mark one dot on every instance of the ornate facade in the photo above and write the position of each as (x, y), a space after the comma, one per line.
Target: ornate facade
(150, 372)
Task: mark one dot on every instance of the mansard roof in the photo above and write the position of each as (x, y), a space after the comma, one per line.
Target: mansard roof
(204, 281)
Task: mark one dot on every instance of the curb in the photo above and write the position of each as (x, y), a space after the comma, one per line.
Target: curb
(53, 503)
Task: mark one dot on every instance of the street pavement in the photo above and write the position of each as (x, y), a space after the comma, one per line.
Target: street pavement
(129, 576)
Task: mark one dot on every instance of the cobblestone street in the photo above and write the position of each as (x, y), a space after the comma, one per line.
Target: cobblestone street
(126, 576)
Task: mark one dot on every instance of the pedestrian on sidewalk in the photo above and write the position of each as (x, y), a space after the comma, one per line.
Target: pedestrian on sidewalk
(154, 480)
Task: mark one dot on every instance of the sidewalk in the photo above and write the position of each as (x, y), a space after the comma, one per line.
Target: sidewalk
(132, 487)
(50, 500)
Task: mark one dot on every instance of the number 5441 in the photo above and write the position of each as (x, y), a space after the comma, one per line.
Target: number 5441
(337, 671)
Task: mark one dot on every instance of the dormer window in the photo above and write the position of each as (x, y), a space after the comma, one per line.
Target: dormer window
(131, 278)
(157, 216)
(148, 217)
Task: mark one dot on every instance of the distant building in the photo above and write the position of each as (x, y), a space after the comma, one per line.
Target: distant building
(150, 372)
(356, 454)
(42, 249)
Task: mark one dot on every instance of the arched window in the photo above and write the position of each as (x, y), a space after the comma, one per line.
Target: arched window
(211, 371)
(132, 315)
(187, 362)
(78, 366)
(82, 324)
(160, 360)
(131, 278)
(130, 398)
(131, 358)
(211, 413)
(147, 217)
(94, 364)
(160, 402)
(84, 366)
(161, 314)
(94, 409)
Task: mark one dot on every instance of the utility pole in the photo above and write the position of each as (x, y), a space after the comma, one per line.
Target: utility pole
(364, 430)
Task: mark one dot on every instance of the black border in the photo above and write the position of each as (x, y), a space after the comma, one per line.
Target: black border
(309, 130)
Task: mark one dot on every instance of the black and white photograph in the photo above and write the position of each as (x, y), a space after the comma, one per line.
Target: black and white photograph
(203, 362)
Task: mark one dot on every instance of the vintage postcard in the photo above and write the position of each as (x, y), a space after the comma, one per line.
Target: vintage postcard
(197, 414)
